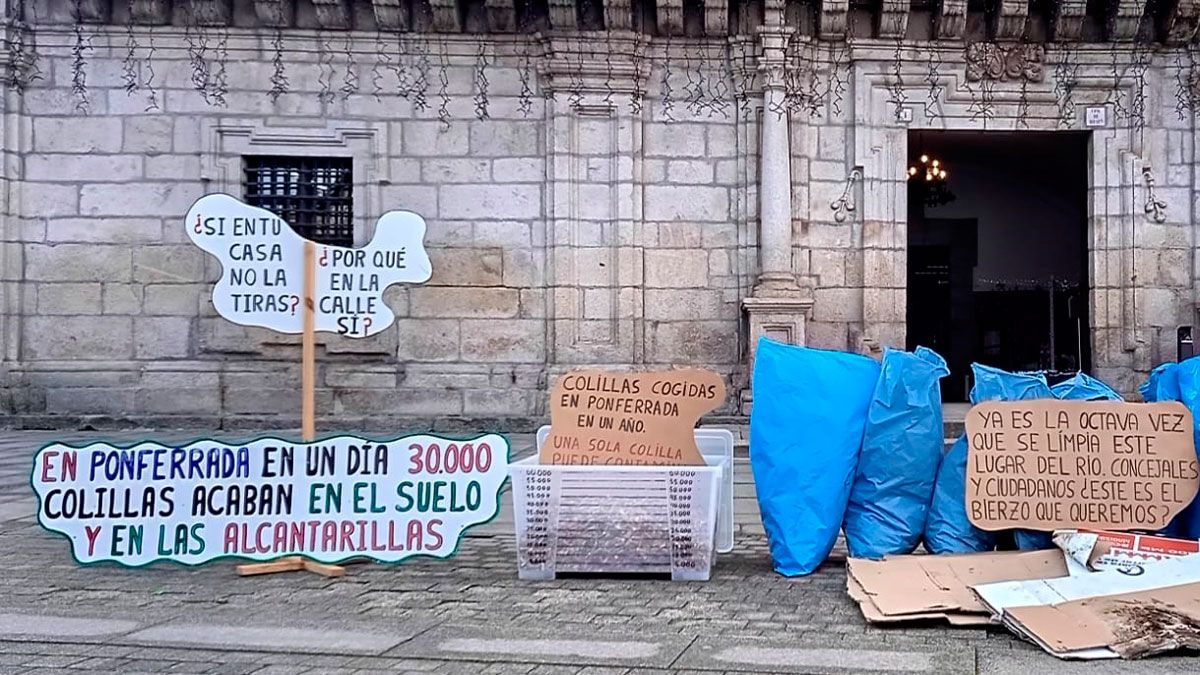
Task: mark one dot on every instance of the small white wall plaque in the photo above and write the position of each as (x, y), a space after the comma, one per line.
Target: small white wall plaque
(1095, 116)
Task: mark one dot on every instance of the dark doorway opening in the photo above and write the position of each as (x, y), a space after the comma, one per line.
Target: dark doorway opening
(997, 251)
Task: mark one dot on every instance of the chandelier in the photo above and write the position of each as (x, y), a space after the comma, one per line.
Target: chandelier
(927, 182)
(930, 168)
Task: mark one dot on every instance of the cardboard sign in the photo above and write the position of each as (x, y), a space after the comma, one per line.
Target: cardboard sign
(262, 260)
(330, 500)
(1049, 464)
(597, 417)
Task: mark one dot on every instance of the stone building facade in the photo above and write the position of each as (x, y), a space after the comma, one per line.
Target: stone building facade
(612, 184)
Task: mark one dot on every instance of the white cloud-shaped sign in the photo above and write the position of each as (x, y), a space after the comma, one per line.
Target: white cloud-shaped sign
(262, 276)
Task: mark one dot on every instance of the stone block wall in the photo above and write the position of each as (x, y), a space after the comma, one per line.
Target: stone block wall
(115, 322)
(565, 229)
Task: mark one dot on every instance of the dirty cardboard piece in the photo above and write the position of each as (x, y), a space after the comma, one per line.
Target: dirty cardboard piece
(1130, 625)
(928, 587)
(1107, 614)
(1095, 550)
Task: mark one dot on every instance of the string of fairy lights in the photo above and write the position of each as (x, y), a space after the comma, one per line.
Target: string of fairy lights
(704, 77)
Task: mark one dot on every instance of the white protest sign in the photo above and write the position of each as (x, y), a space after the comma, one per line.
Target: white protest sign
(262, 260)
(330, 500)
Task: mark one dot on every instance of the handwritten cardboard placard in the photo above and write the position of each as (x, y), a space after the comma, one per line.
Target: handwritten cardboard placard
(1049, 464)
(262, 260)
(330, 500)
(598, 417)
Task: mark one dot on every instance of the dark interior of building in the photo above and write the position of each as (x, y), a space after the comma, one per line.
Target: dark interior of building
(997, 251)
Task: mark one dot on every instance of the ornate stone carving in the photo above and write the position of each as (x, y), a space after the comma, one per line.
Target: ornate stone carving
(618, 14)
(150, 12)
(1067, 23)
(1183, 22)
(990, 61)
(562, 15)
(833, 18)
(390, 14)
(670, 17)
(716, 18)
(1155, 207)
(334, 14)
(92, 11)
(501, 15)
(209, 12)
(445, 16)
(1124, 22)
(275, 13)
(893, 18)
(1011, 22)
(844, 205)
(562, 69)
(951, 19)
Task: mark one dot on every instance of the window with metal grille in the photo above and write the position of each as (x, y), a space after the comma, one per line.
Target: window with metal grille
(313, 194)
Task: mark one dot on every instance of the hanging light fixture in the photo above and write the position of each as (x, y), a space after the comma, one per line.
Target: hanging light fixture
(929, 169)
(927, 178)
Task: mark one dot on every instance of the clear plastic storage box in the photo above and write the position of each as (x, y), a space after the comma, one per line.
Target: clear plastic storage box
(625, 519)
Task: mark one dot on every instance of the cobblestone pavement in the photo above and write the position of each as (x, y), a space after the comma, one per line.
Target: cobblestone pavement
(469, 615)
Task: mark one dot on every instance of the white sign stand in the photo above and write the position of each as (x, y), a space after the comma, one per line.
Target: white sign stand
(267, 271)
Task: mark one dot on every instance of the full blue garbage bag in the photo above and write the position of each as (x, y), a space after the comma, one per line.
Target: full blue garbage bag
(806, 429)
(902, 448)
(1083, 387)
(1179, 382)
(1080, 387)
(948, 529)
(1163, 384)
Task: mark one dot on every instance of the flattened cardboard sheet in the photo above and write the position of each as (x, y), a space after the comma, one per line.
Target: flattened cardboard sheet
(1048, 464)
(1132, 625)
(1164, 599)
(922, 587)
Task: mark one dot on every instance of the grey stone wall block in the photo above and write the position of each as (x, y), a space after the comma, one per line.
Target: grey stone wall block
(453, 301)
(490, 202)
(466, 267)
(514, 341)
(78, 338)
(69, 298)
(77, 262)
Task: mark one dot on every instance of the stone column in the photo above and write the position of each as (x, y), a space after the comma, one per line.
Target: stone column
(778, 307)
(775, 172)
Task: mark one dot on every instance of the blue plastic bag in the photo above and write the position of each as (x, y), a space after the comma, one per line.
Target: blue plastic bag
(948, 529)
(806, 428)
(1083, 387)
(902, 448)
(1163, 384)
(1179, 382)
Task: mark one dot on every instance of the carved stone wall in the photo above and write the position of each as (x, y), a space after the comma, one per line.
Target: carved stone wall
(601, 213)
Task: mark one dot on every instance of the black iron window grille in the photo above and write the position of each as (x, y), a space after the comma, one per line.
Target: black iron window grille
(313, 194)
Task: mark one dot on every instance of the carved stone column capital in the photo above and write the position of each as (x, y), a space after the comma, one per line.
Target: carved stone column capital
(391, 15)
(275, 13)
(209, 12)
(91, 11)
(569, 64)
(332, 14)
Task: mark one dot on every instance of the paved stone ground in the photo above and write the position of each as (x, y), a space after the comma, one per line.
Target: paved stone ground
(471, 615)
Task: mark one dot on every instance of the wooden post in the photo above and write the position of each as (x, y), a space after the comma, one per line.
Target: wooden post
(308, 424)
(308, 367)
